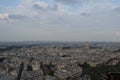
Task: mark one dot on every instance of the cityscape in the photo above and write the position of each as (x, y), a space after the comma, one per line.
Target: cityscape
(58, 60)
(59, 39)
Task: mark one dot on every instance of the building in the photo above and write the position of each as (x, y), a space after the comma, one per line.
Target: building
(68, 72)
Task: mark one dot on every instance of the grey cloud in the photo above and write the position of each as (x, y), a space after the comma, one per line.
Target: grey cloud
(53, 7)
(84, 14)
(71, 1)
(117, 9)
(12, 16)
(17, 16)
(37, 6)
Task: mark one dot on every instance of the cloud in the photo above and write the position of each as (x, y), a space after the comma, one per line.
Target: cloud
(118, 34)
(84, 14)
(12, 17)
(71, 1)
(54, 7)
(50, 19)
(3, 16)
(17, 16)
(45, 7)
(37, 6)
(40, 5)
(117, 9)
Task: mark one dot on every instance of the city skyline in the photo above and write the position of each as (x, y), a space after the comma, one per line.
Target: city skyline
(60, 20)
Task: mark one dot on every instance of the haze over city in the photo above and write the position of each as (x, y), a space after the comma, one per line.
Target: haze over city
(60, 20)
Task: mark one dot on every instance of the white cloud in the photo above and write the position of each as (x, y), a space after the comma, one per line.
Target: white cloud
(4, 16)
(118, 34)
(9, 17)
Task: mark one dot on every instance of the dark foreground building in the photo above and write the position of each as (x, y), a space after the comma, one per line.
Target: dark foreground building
(20, 71)
(111, 76)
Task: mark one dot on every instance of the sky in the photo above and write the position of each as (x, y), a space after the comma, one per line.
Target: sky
(60, 20)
